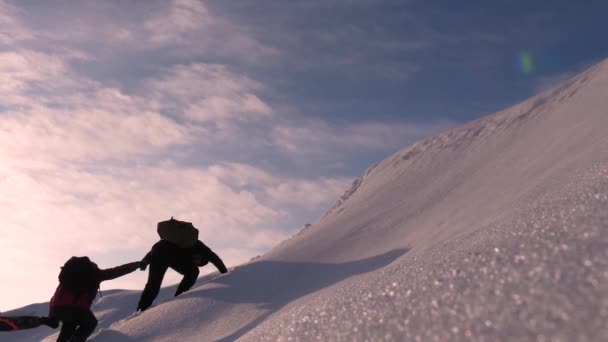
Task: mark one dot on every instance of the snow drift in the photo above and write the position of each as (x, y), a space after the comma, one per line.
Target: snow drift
(496, 229)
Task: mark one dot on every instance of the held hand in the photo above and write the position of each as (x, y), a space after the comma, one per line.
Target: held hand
(143, 265)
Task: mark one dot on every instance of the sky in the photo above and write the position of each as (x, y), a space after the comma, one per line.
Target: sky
(248, 119)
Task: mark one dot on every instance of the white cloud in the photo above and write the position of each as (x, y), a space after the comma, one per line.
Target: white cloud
(182, 17)
(179, 28)
(312, 195)
(51, 136)
(11, 29)
(241, 174)
(190, 25)
(203, 92)
(312, 137)
(95, 208)
(21, 71)
(51, 114)
(92, 210)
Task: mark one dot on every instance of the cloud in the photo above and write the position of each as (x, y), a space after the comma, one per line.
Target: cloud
(242, 174)
(152, 30)
(182, 17)
(191, 26)
(209, 92)
(52, 114)
(21, 72)
(43, 134)
(312, 195)
(76, 117)
(94, 208)
(310, 138)
(12, 29)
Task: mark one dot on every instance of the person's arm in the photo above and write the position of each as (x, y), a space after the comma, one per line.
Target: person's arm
(119, 271)
(154, 251)
(217, 262)
(147, 258)
(211, 256)
(145, 261)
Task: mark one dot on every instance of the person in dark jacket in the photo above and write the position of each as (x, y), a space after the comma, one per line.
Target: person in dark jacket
(25, 322)
(72, 307)
(185, 261)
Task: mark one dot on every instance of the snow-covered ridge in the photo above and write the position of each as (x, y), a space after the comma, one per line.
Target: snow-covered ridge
(461, 137)
(490, 164)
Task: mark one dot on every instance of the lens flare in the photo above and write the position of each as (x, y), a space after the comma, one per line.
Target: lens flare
(525, 62)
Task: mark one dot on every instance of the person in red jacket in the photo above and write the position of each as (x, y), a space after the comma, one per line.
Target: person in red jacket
(78, 285)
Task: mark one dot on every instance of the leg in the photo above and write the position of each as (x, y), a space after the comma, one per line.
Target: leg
(7, 324)
(190, 273)
(22, 322)
(51, 322)
(67, 330)
(155, 280)
(87, 325)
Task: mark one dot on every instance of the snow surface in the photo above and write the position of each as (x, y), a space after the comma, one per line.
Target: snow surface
(494, 230)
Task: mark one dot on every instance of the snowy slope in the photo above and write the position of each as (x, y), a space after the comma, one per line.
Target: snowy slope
(494, 230)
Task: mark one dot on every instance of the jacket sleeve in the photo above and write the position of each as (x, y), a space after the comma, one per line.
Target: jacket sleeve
(119, 271)
(159, 249)
(211, 256)
(147, 259)
(217, 262)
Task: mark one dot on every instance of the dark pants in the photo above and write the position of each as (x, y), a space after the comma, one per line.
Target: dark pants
(155, 279)
(77, 322)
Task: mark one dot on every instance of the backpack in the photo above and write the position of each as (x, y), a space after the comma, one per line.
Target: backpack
(180, 233)
(79, 273)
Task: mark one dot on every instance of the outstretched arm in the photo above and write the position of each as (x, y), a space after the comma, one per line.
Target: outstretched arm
(157, 250)
(217, 262)
(119, 271)
(145, 261)
(208, 254)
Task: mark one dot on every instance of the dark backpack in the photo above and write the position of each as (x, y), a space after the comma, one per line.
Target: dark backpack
(79, 273)
(180, 233)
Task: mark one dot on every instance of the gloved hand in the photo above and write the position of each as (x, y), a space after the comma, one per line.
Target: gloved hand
(143, 264)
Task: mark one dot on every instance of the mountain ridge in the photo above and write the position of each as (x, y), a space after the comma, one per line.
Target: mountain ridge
(471, 138)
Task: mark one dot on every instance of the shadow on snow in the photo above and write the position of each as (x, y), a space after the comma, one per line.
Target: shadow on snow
(274, 284)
